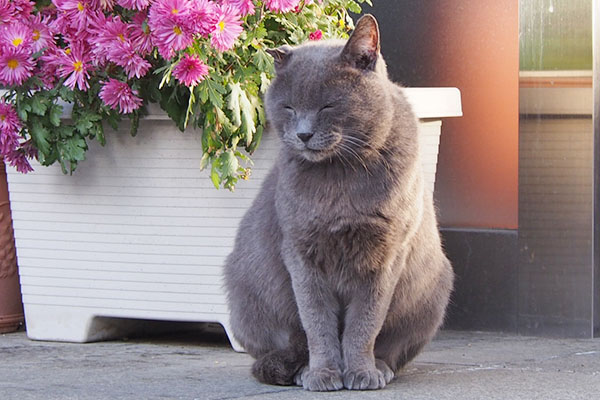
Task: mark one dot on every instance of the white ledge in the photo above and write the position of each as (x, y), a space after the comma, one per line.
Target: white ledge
(435, 102)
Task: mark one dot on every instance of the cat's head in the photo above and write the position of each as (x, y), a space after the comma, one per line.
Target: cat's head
(331, 98)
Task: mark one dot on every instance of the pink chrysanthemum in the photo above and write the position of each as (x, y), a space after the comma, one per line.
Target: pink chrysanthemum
(202, 17)
(107, 33)
(50, 64)
(75, 64)
(18, 159)
(316, 35)
(134, 4)
(103, 4)
(23, 8)
(16, 35)
(75, 16)
(169, 22)
(16, 65)
(7, 11)
(190, 70)
(124, 55)
(118, 95)
(281, 5)
(10, 125)
(227, 28)
(139, 31)
(9, 120)
(41, 36)
(245, 7)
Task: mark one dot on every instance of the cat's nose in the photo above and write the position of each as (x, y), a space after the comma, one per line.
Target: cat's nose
(305, 136)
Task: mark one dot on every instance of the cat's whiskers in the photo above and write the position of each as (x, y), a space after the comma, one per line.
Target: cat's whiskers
(383, 151)
(349, 150)
(343, 159)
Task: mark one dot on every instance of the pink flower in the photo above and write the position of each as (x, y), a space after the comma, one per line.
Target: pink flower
(140, 34)
(124, 55)
(190, 70)
(16, 35)
(10, 125)
(227, 28)
(23, 7)
(104, 4)
(316, 35)
(41, 36)
(50, 64)
(75, 16)
(134, 4)
(16, 65)
(76, 64)
(202, 17)
(18, 159)
(107, 33)
(7, 11)
(281, 5)
(170, 25)
(118, 95)
(245, 7)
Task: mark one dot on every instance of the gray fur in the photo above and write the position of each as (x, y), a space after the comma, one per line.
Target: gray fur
(338, 262)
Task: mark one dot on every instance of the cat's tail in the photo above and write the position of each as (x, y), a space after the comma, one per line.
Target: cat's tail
(279, 367)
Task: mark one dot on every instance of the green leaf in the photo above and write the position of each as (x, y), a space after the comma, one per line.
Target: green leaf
(135, 123)
(242, 110)
(354, 7)
(214, 90)
(228, 163)
(204, 161)
(264, 82)
(262, 60)
(56, 111)
(85, 120)
(73, 149)
(40, 136)
(174, 109)
(234, 103)
(38, 106)
(66, 94)
(22, 113)
(256, 140)
(214, 175)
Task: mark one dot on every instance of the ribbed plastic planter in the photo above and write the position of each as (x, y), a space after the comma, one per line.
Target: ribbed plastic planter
(139, 231)
(11, 308)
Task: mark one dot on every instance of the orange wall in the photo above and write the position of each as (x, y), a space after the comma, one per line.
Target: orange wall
(472, 45)
(475, 45)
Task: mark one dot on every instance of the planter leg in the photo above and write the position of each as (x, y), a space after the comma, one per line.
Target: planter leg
(234, 343)
(66, 324)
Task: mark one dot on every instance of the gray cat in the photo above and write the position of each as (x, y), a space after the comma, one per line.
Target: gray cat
(338, 277)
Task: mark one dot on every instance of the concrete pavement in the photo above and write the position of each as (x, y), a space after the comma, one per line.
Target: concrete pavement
(457, 365)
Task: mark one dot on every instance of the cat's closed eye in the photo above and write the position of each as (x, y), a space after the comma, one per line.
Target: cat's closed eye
(327, 107)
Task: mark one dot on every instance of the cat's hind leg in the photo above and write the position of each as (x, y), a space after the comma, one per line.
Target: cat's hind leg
(282, 366)
(264, 319)
(404, 336)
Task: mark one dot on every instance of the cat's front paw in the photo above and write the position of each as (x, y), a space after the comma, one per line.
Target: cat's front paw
(364, 379)
(320, 380)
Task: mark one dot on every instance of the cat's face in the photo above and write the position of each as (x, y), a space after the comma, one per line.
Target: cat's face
(326, 100)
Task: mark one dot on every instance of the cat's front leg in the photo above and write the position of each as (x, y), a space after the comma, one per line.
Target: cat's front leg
(365, 315)
(319, 313)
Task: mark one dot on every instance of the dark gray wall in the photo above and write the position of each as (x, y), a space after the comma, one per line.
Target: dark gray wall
(486, 287)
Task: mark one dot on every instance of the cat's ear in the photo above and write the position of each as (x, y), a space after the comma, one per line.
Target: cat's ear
(280, 55)
(362, 49)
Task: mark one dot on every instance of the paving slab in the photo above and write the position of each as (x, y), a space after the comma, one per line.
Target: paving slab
(456, 365)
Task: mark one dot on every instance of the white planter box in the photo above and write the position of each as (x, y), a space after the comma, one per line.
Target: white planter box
(138, 231)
